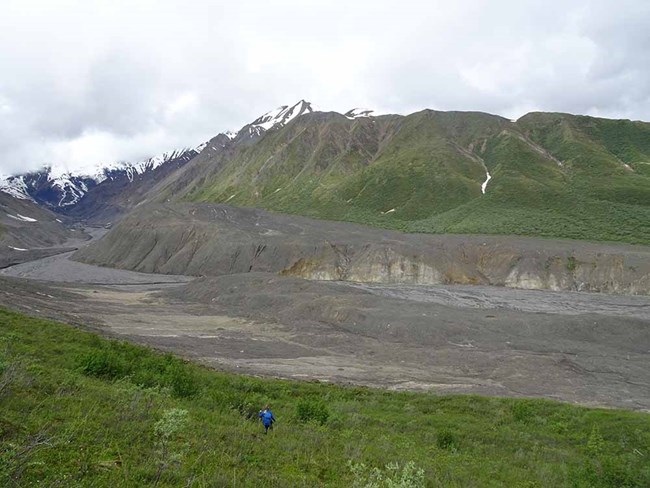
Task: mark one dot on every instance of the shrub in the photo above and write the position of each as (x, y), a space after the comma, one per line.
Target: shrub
(445, 439)
(103, 363)
(167, 431)
(571, 263)
(312, 411)
(182, 383)
(595, 443)
(119, 360)
(522, 411)
(247, 408)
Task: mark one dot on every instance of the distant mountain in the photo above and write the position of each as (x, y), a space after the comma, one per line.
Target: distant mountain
(123, 189)
(61, 190)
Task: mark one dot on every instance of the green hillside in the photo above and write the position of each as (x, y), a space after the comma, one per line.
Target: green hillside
(78, 410)
(553, 175)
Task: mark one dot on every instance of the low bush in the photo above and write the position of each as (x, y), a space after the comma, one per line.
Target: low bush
(103, 363)
(312, 411)
(120, 360)
(445, 439)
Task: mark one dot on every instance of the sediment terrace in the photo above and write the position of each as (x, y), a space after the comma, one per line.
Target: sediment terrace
(216, 240)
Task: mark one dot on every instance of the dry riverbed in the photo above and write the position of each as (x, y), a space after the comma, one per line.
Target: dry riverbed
(592, 349)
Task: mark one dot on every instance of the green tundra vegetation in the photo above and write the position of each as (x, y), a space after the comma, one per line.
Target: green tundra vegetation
(555, 175)
(80, 410)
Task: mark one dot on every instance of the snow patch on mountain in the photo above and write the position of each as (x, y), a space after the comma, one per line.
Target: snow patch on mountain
(22, 218)
(356, 113)
(279, 117)
(15, 186)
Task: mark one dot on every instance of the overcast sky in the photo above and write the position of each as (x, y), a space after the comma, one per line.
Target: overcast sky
(83, 81)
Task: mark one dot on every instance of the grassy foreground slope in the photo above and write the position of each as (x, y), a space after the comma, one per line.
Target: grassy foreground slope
(555, 175)
(78, 410)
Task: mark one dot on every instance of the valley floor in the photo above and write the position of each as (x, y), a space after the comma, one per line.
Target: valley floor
(590, 349)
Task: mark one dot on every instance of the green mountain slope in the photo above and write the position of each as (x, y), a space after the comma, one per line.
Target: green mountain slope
(554, 175)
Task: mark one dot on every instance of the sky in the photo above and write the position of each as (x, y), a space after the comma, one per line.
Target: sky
(84, 81)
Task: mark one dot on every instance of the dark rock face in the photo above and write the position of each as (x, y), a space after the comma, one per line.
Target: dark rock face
(55, 193)
(213, 240)
(122, 190)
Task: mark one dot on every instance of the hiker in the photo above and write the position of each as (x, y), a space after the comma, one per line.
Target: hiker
(267, 418)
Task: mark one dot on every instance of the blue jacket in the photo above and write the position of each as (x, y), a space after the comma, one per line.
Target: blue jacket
(267, 417)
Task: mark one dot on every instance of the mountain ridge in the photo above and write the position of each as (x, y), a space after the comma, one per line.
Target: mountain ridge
(544, 174)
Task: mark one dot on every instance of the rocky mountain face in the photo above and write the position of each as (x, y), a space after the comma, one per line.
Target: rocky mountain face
(124, 189)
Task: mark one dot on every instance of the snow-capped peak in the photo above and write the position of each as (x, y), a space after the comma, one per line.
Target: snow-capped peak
(355, 113)
(279, 117)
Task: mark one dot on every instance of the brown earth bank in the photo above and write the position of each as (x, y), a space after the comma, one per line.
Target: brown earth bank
(215, 240)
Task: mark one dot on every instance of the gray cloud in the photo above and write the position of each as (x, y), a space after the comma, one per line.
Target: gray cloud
(86, 81)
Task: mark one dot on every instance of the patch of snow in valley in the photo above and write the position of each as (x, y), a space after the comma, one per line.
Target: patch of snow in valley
(16, 248)
(488, 178)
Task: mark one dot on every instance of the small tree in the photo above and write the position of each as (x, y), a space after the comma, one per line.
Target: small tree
(167, 431)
